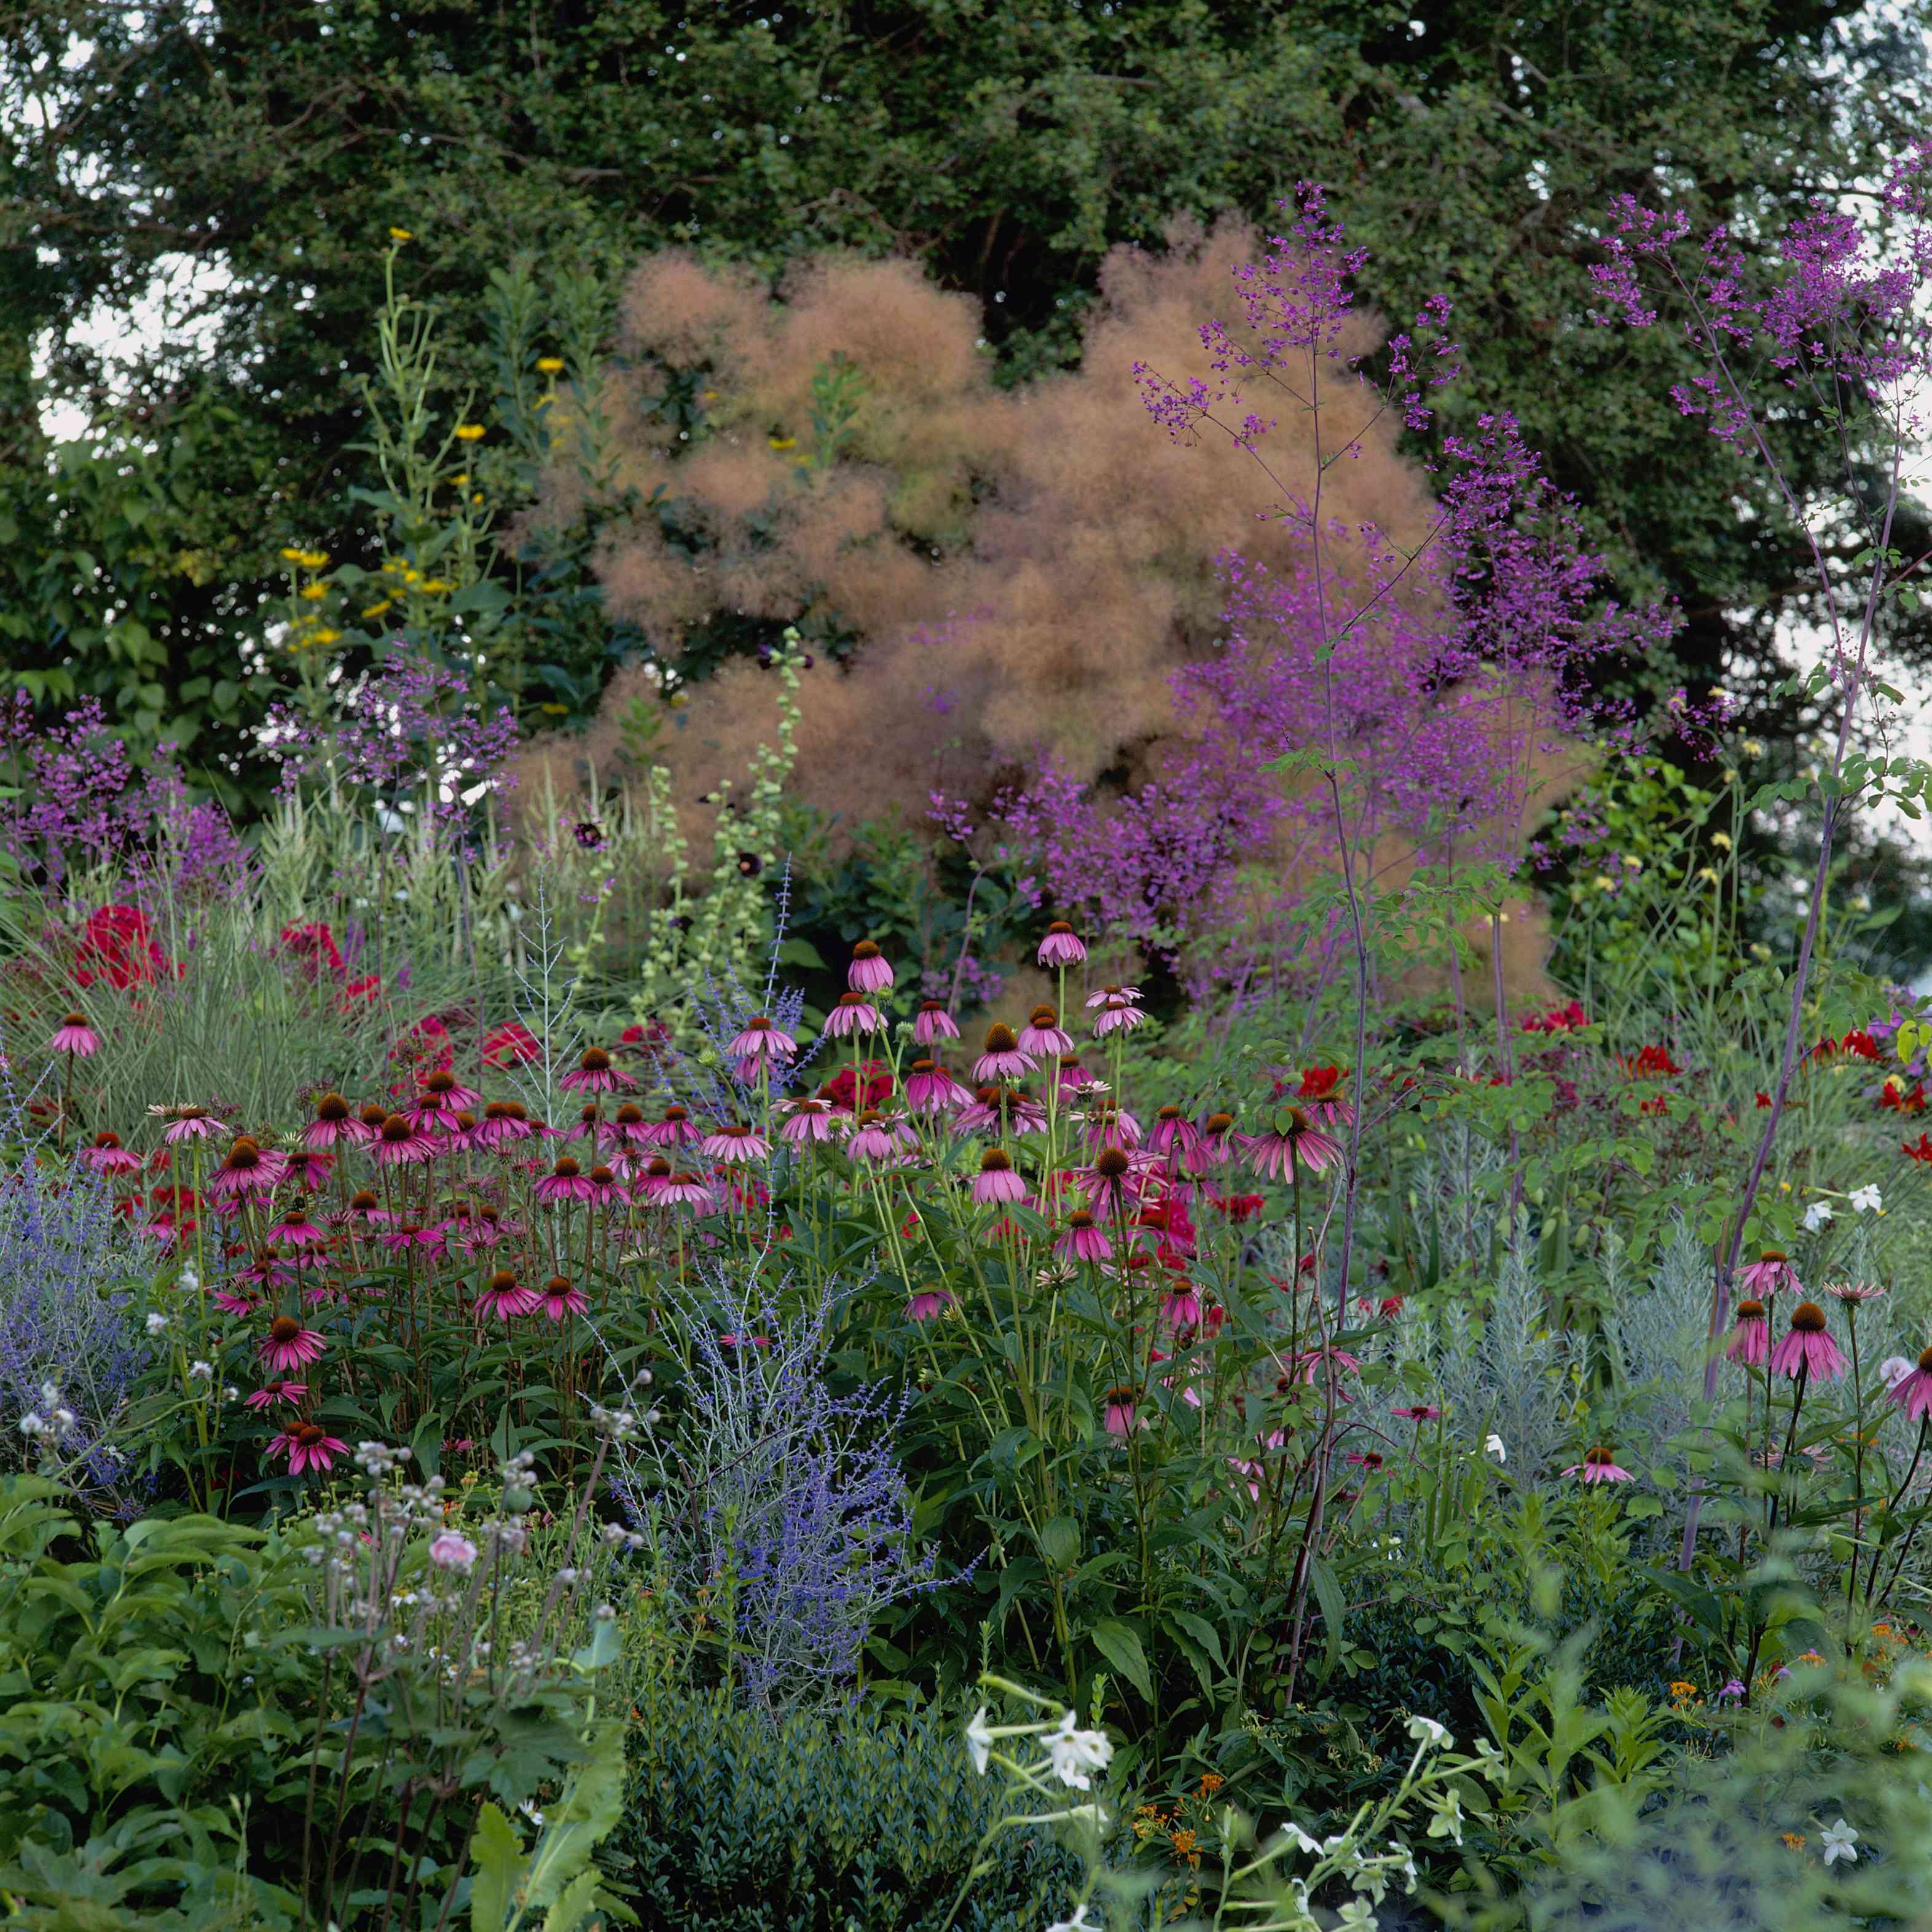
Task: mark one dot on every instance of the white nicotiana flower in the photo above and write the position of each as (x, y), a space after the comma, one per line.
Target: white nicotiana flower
(978, 1740)
(1493, 1445)
(1079, 1922)
(1447, 1820)
(1867, 1200)
(1074, 1753)
(1816, 1215)
(1421, 1728)
(157, 1323)
(1356, 1916)
(1838, 1844)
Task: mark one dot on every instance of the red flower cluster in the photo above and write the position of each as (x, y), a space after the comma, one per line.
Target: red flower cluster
(1652, 1063)
(839, 1089)
(1922, 1152)
(1858, 1044)
(1903, 1100)
(513, 1045)
(119, 946)
(1559, 1019)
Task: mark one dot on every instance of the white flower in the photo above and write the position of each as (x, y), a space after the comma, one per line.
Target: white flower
(978, 1740)
(1894, 1369)
(1818, 1214)
(200, 1372)
(1838, 1842)
(187, 1281)
(1493, 1446)
(1419, 1728)
(1867, 1200)
(157, 1323)
(1356, 1917)
(31, 1424)
(1074, 1752)
(1303, 1842)
(452, 1551)
(1079, 1922)
(1447, 1822)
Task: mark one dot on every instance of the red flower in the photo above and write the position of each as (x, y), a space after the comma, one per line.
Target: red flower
(1237, 1207)
(313, 946)
(1652, 1062)
(1764, 1100)
(511, 1045)
(839, 1088)
(366, 987)
(1859, 1045)
(1657, 1104)
(1559, 1019)
(1922, 1152)
(119, 946)
(1901, 1101)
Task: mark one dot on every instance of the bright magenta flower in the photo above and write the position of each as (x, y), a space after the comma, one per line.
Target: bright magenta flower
(74, 1036)
(761, 1039)
(1599, 1465)
(997, 1181)
(868, 972)
(931, 1022)
(1807, 1349)
(1750, 1339)
(1061, 946)
(306, 1445)
(1912, 1391)
(288, 1345)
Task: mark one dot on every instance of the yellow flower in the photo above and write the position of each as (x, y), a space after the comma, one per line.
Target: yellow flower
(1635, 864)
(708, 396)
(1709, 873)
(325, 636)
(782, 442)
(478, 498)
(1680, 1689)
(469, 432)
(291, 555)
(400, 235)
(550, 365)
(1794, 1839)
(1605, 883)
(313, 591)
(1760, 951)
(377, 610)
(438, 586)
(1722, 840)
(461, 477)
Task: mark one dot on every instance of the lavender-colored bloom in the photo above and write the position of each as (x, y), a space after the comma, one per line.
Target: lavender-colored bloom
(931, 1022)
(1062, 946)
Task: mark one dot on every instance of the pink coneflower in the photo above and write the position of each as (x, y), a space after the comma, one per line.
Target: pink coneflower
(364, 1208)
(1174, 1134)
(1912, 1391)
(1061, 946)
(686, 1190)
(249, 1169)
(1069, 1073)
(1119, 1415)
(852, 1012)
(807, 1123)
(994, 1108)
(450, 1090)
(1807, 1349)
(1002, 1059)
(594, 1074)
(405, 1235)
(74, 1036)
(486, 1229)
(606, 1189)
(504, 1124)
(309, 1171)
(241, 1305)
(1750, 1339)
(295, 1230)
(106, 1155)
(997, 1181)
(676, 1130)
(1083, 1241)
(1215, 1144)
(1117, 1016)
(566, 1181)
(876, 1136)
(1856, 1292)
(503, 1298)
(1108, 1184)
(398, 1145)
(306, 1445)
(288, 1345)
(628, 1127)
(1107, 1123)
(430, 1114)
(930, 1089)
(1044, 1037)
(190, 1123)
(736, 1145)
(1130, 994)
(1421, 1411)
(590, 1125)
(762, 1040)
(290, 1393)
(1180, 1308)
(1302, 1368)
(931, 1022)
(335, 1121)
(868, 972)
(561, 1300)
(1599, 1465)
(1770, 1274)
(1298, 1146)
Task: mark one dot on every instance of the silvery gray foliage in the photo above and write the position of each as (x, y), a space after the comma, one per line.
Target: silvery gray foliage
(1658, 1333)
(775, 1496)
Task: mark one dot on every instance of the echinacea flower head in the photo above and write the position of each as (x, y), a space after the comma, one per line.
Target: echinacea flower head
(852, 1013)
(1119, 1414)
(1174, 1135)
(606, 1189)
(686, 1190)
(288, 1345)
(190, 1123)
(1002, 1059)
(595, 1074)
(1083, 1241)
(868, 973)
(1214, 1145)
(503, 1298)
(763, 1040)
(566, 1181)
(295, 1230)
(1108, 1182)
(291, 1392)
(106, 1155)
(1807, 1349)
(676, 1128)
(997, 1181)
(930, 1089)
(450, 1090)
(927, 1306)
(1599, 1465)
(1130, 994)
(399, 1144)
(306, 1445)
(74, 1036)
(1061, 946)
(807, 1123)
(1043, 1036)
(1912, 1391)
(250, 1168)
(1296, 1146)
(932, 1021)
(1855, 1292)
(736, 1146)
(875, 1137)
(1770, 1274)
(334, 1122)
(1420, 1411)
(1750, 1344)
(560, 1299)
(364, 1209)
(1117, 1016)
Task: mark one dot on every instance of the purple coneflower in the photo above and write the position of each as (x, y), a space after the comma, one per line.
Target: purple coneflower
(1912, 1391)
(595, 1074)
(1214, 1145)
(566, 1181)
(306, 1445)
(1174, 1133)
(1299, 1146)
(1420, 1411)
(309, 1171)
(994, 1106)
(430, 1114)
(876, 1137)
(676, 1130)
(628, 1127)
(686, 1190)
(868, 972)
(1117, 1015)
(1119, 1415)
(1107, 1184)
(1108, 1123)
(561, 1299)
(930, 1089)
(1750, 1339)
(807, 1123)
(249, 1169)
(335, 1121)
(405, 1235)
(736, 1146)
(398, 1145)
(106, 1155)
(295, 1230)
(924, 1307)
(1043, 1036)
(1599, 1465)
(1070, 1074)
(1807, 1349)
(190, 1123)
(606, 1190)
(1769, 1274)
(1181, 1307)
(997, 1181)
(241, 1305)
(365, 1209)
(289, 1392)
(504, 1124)
(1061, 946)
(1002, 1059)
(450, 1091)
(851, 1012)
(931, 1022)
(761, 1040)
(503, 1298)
(1083, 1241)
(1856, 1292)
(1130, 994)
(288, 1345)
(74, 1036)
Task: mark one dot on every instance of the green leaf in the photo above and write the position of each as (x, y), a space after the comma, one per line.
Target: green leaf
(1118, 1644)
(496, 1854)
